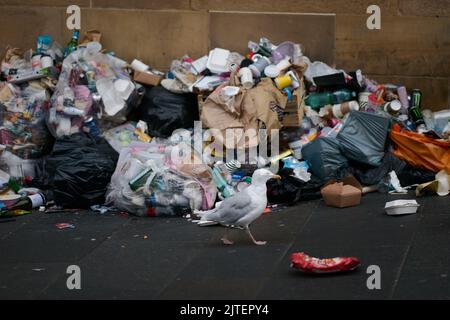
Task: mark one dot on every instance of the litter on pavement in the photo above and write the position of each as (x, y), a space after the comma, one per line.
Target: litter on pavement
(82, 128)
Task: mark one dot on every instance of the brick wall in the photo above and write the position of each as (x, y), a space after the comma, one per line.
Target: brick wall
(412, 48)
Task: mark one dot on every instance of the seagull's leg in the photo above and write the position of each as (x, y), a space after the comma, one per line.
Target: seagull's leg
(225, 239)
(258, 243)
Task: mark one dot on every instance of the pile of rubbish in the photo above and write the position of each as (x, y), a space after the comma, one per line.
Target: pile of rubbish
(81, 127)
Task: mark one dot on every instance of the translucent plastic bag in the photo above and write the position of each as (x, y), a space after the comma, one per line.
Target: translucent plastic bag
(91, 84)
(22, 119)
(147, 182)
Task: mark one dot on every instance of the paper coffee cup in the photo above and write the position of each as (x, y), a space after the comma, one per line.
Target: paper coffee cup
(283, 64)
(283, 82)
(340, 110)
(139, 66)
(246, 76)
(272, 71)
(258, 67)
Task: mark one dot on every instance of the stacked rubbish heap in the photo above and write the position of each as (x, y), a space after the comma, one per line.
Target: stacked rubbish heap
(83, 129)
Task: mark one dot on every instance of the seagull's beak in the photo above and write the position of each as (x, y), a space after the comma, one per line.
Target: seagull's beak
(276, 177)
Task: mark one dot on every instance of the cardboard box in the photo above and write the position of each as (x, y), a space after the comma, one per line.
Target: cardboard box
(294, 110)
(147, 78)
(343, 194)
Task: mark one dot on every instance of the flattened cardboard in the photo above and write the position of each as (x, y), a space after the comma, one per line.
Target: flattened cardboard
(147, 78)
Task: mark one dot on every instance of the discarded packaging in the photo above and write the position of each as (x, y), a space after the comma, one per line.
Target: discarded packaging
(401, 207)
(307, 264)
(343, 194)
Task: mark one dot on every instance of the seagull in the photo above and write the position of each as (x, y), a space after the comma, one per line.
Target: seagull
(241, 209)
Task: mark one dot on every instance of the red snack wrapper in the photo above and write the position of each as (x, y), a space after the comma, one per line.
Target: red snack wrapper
(307, 264)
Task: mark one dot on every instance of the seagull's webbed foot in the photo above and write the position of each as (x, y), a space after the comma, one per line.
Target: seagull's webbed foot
(227, 242)
(258, 243)
(225, 239)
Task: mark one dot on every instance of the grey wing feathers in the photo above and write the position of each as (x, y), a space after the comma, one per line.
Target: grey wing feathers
(231, 210)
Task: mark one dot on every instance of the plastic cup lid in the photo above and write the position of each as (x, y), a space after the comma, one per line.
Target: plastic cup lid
(272, 71)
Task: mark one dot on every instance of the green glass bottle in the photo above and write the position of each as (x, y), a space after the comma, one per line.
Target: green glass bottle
(73, 43)
(24, 205)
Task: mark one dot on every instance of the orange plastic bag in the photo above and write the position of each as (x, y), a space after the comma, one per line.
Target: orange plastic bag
(421, 151)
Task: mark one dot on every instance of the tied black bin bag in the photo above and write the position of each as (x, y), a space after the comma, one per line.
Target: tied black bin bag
(165, 111)
(79, 170)
(363, 137)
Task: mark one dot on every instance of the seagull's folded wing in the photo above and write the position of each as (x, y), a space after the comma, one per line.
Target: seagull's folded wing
(232, 209)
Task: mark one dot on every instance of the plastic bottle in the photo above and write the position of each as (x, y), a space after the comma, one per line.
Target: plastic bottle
(341, 96)
(318, 100)
(256, 48)
(73, 112)
(73, 43)
(221, 184)
(29, 203)
(223, 170)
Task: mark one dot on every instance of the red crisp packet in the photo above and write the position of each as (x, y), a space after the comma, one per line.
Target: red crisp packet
(61, 226)
(307, 264)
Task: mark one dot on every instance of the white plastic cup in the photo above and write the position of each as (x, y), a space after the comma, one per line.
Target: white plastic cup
(246, 76)
(139, 66)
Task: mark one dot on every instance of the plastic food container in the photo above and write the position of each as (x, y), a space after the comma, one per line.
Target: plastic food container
(218, 61)
(401, 207)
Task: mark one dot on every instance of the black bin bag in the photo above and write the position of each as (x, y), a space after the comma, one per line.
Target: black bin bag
(363, 137)
(165, 111)
(325, 158)
(290, 190)
(79, 170)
